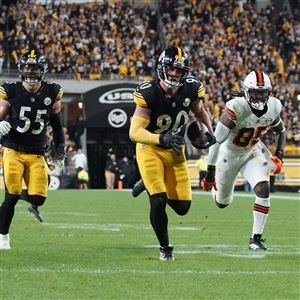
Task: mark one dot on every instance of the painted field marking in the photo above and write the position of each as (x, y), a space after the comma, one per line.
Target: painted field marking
(148, 272)
(233, 250)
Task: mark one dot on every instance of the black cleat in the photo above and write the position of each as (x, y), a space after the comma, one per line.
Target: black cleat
(138, 188)
(34, 209)
(256, 243)
(166, 253)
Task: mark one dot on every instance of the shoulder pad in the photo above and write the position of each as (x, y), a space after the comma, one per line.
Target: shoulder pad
(57, 90)
(143, 93)
(235, 107)
(7, 90)
(275, 103)
(195, 86)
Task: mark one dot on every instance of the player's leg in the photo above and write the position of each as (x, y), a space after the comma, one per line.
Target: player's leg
(34, 200)
(152, 173)
(178, 185)
(138, 188)
(13, 173)
(37, 179)
(226, 173)
(259, 181)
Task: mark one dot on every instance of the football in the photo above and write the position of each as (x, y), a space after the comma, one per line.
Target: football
(196, 134)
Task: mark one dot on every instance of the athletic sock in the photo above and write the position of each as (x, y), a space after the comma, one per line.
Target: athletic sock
(260, 214)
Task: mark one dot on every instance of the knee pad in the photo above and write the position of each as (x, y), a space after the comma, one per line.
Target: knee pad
(10, 200)
(36, 199)
(158, 200)
(262, 189)
(181, 207)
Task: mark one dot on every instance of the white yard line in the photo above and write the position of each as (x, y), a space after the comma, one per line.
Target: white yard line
(148, 272)
(252, 195)
(237, 194)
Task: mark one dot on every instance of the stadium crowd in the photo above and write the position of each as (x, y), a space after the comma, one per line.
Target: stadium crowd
(225, 40)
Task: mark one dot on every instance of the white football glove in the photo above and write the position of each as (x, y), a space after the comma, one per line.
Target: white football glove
(4, 127)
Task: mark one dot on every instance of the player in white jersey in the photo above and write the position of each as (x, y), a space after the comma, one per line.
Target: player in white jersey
(238, 149)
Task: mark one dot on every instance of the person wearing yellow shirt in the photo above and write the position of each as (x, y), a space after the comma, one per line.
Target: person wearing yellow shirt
(201, 164)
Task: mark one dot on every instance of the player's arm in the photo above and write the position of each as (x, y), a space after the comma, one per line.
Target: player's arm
(139, 134)
(201, 115)
(221, 134)
(58, 131)
(56, 124)
(139, 122)
(279, 130)
(4, 109)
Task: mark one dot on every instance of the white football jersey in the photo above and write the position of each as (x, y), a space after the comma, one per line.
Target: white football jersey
(245, 135)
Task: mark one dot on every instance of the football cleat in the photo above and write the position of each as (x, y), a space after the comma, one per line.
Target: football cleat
(256, 243)
(138, 188)
(166, 253)
(34, 209)
(4, 242)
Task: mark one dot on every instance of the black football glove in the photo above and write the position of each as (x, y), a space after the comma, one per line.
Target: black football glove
(171, 140)
(210, 140)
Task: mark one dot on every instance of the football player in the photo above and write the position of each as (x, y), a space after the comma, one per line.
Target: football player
(26, 108)
(245, 119)
(157, 126)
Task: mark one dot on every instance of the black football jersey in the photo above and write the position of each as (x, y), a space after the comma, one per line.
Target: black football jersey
(29, 115)
(169, 113)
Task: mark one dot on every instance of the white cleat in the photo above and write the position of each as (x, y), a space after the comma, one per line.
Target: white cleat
(4, 242)
(214, 193)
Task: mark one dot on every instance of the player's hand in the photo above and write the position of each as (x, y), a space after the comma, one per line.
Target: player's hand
(60, 157)
(209, 181)
(278, 164)
(5, 127)
(60, 152)
(171, 140)
(210, 140)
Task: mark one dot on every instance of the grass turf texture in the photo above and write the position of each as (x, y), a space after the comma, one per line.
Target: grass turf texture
(99, 245)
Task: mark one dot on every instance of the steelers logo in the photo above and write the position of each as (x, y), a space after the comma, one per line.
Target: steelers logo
(47, 101)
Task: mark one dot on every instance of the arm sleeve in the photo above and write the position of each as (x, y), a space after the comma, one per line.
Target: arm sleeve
(58, 132)
(221, 134)
(139, 134)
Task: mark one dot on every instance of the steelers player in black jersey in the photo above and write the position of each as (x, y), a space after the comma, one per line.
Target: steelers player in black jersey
(157, 126)
(26, 108)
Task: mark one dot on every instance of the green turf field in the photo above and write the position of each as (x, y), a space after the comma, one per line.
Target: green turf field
(99, 245)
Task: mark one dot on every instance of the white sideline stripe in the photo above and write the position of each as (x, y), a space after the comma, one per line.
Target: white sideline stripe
(148, 272)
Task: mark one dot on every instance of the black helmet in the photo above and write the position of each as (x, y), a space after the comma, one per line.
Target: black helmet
(32, 67)
(173, 57)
